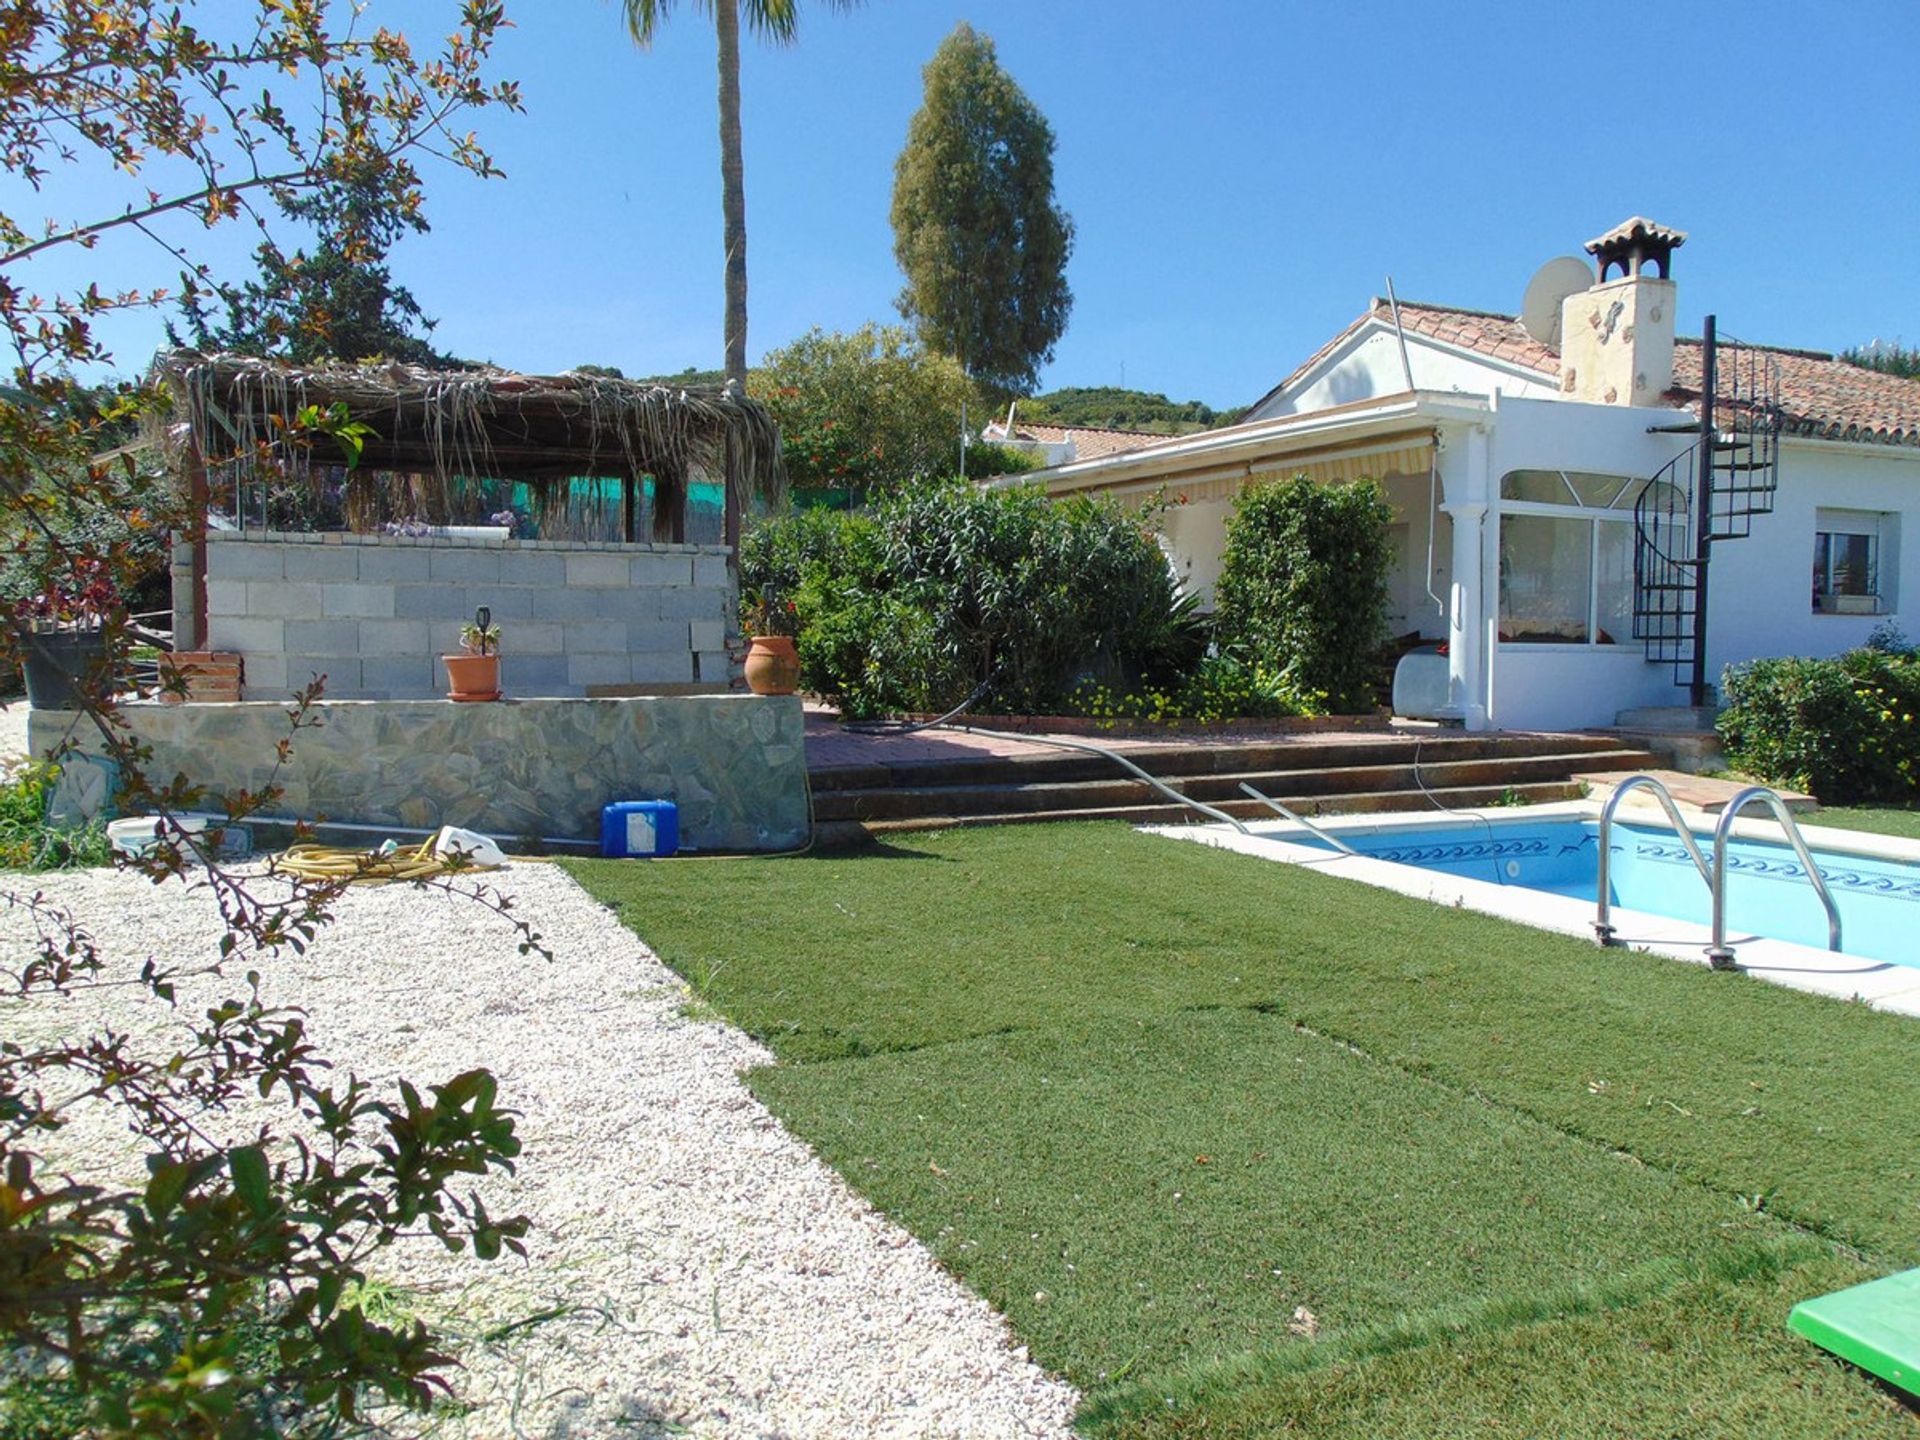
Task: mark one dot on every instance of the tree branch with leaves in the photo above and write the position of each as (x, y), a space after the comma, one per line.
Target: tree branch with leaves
(213, 1297)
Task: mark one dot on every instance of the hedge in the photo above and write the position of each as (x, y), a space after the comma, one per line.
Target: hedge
(945, 588)
(1845, 729)
(1303, 586)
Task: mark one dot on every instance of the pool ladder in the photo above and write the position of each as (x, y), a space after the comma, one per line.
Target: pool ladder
(1714, 876)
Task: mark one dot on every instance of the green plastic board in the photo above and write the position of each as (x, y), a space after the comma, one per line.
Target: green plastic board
(1875, 1326)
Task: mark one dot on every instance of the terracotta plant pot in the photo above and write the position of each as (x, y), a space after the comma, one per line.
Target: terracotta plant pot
(473, 677)
(773, 665)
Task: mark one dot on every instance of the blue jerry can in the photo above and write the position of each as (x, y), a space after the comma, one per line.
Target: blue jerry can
(648, 829)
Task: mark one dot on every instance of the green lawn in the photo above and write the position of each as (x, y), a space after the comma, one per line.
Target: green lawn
(1901, 820)
(1242, 1148)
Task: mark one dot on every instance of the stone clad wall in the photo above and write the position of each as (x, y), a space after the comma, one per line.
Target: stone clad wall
(374, 613)
(734, 764)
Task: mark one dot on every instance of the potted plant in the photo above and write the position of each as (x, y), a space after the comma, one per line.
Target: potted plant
(475, 674)
(772, 664)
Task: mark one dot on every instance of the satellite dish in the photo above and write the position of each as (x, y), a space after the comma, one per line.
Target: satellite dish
(1552, 283)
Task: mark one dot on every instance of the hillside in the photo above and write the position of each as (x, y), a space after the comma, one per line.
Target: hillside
(1111, 408)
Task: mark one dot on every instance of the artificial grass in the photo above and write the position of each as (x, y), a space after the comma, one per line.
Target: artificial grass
(1166, 1192)
(1901, 820)
(1707, 1357)
(1810, 1106)
(1022, 1041)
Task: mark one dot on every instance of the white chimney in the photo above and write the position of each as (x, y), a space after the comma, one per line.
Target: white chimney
(1616, 339)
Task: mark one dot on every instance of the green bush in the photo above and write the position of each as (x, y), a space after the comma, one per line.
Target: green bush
(1221, 687)
(1845, 729)
(943, 588)
(1303, 586)
(985, 459)
(27, 842)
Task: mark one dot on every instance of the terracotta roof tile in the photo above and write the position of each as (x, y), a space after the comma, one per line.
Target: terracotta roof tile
(1500, 337)
(1089, 442)
(1497, 336)
(1823, 396)
(1637, 228)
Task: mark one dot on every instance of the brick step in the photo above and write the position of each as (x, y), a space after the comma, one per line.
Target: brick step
(1116, 790)
(1170, 762)
(839, 833)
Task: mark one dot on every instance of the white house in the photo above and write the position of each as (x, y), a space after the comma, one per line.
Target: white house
(1544, 472)
(1063, 444)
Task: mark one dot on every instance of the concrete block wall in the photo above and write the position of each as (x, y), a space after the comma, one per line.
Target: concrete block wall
(374, 613)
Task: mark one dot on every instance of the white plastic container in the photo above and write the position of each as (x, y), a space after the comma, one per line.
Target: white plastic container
(136, 835)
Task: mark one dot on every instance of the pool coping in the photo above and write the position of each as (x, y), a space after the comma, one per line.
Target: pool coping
(1883, 984)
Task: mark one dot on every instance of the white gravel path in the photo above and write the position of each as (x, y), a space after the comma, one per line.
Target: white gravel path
(717, 1278)
(13, 733)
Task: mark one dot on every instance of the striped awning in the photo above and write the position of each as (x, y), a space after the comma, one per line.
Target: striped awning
(1400, 455)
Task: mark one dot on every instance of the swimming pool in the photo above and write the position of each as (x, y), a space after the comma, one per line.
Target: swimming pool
(1767, 891)
(1538, 865)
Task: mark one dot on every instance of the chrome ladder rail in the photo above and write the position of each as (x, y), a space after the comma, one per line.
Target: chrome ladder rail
(1719, 954)
(1602, 926)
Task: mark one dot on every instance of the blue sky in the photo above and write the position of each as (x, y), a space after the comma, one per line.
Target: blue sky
(1242, 175)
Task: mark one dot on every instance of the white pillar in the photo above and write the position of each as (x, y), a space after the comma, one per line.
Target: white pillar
(1464, 630)
(1468, 619)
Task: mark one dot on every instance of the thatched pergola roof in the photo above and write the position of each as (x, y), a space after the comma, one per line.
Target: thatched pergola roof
(479, 423)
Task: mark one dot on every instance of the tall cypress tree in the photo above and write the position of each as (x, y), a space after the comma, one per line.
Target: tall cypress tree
(975, 227)
(334, 301)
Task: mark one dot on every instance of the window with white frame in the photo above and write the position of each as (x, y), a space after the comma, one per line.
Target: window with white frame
(1853, 561)
(1566, 557)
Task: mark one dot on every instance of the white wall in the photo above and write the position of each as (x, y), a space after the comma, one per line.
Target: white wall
(1367, 365)
(1761, 597)
(1196, 537)
(1561, 687)
(1761, 601)
(1574, 687)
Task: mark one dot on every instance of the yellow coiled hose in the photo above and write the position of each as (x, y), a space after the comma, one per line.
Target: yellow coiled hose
(367, 867)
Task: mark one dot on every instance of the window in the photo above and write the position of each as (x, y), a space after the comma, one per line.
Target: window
(1574, 487)
(1546, 573)
(1566, 557)
(1852, 562)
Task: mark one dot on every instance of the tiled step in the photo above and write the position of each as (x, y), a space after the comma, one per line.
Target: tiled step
(1170, 762)
(1376, 802)
(1350, 775)
(1117, 790)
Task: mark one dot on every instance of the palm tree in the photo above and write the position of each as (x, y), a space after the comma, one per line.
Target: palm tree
(774, 20)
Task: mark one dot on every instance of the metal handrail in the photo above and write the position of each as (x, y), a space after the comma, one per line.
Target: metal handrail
(1274, 805)
(1602, 929)
(1719, 954)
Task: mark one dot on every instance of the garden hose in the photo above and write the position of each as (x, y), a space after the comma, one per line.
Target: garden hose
(367, 867)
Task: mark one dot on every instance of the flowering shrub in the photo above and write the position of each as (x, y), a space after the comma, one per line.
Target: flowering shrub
(1221, 687)
(1844, 729)
(209, 1291)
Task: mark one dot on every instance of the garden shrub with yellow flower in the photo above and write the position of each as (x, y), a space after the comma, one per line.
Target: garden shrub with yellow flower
(1845, 729)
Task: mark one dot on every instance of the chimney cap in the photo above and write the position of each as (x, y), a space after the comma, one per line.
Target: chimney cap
(1633, 243)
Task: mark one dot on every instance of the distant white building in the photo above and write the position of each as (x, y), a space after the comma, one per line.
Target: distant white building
(1052, 445)
(1545, 473)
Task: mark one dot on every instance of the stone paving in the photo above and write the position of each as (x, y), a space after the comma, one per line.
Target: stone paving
(829, 744)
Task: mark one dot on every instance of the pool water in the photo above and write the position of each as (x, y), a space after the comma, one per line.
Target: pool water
(1767, 890)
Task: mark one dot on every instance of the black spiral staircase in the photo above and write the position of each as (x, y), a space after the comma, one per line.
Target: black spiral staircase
(1708, 493)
